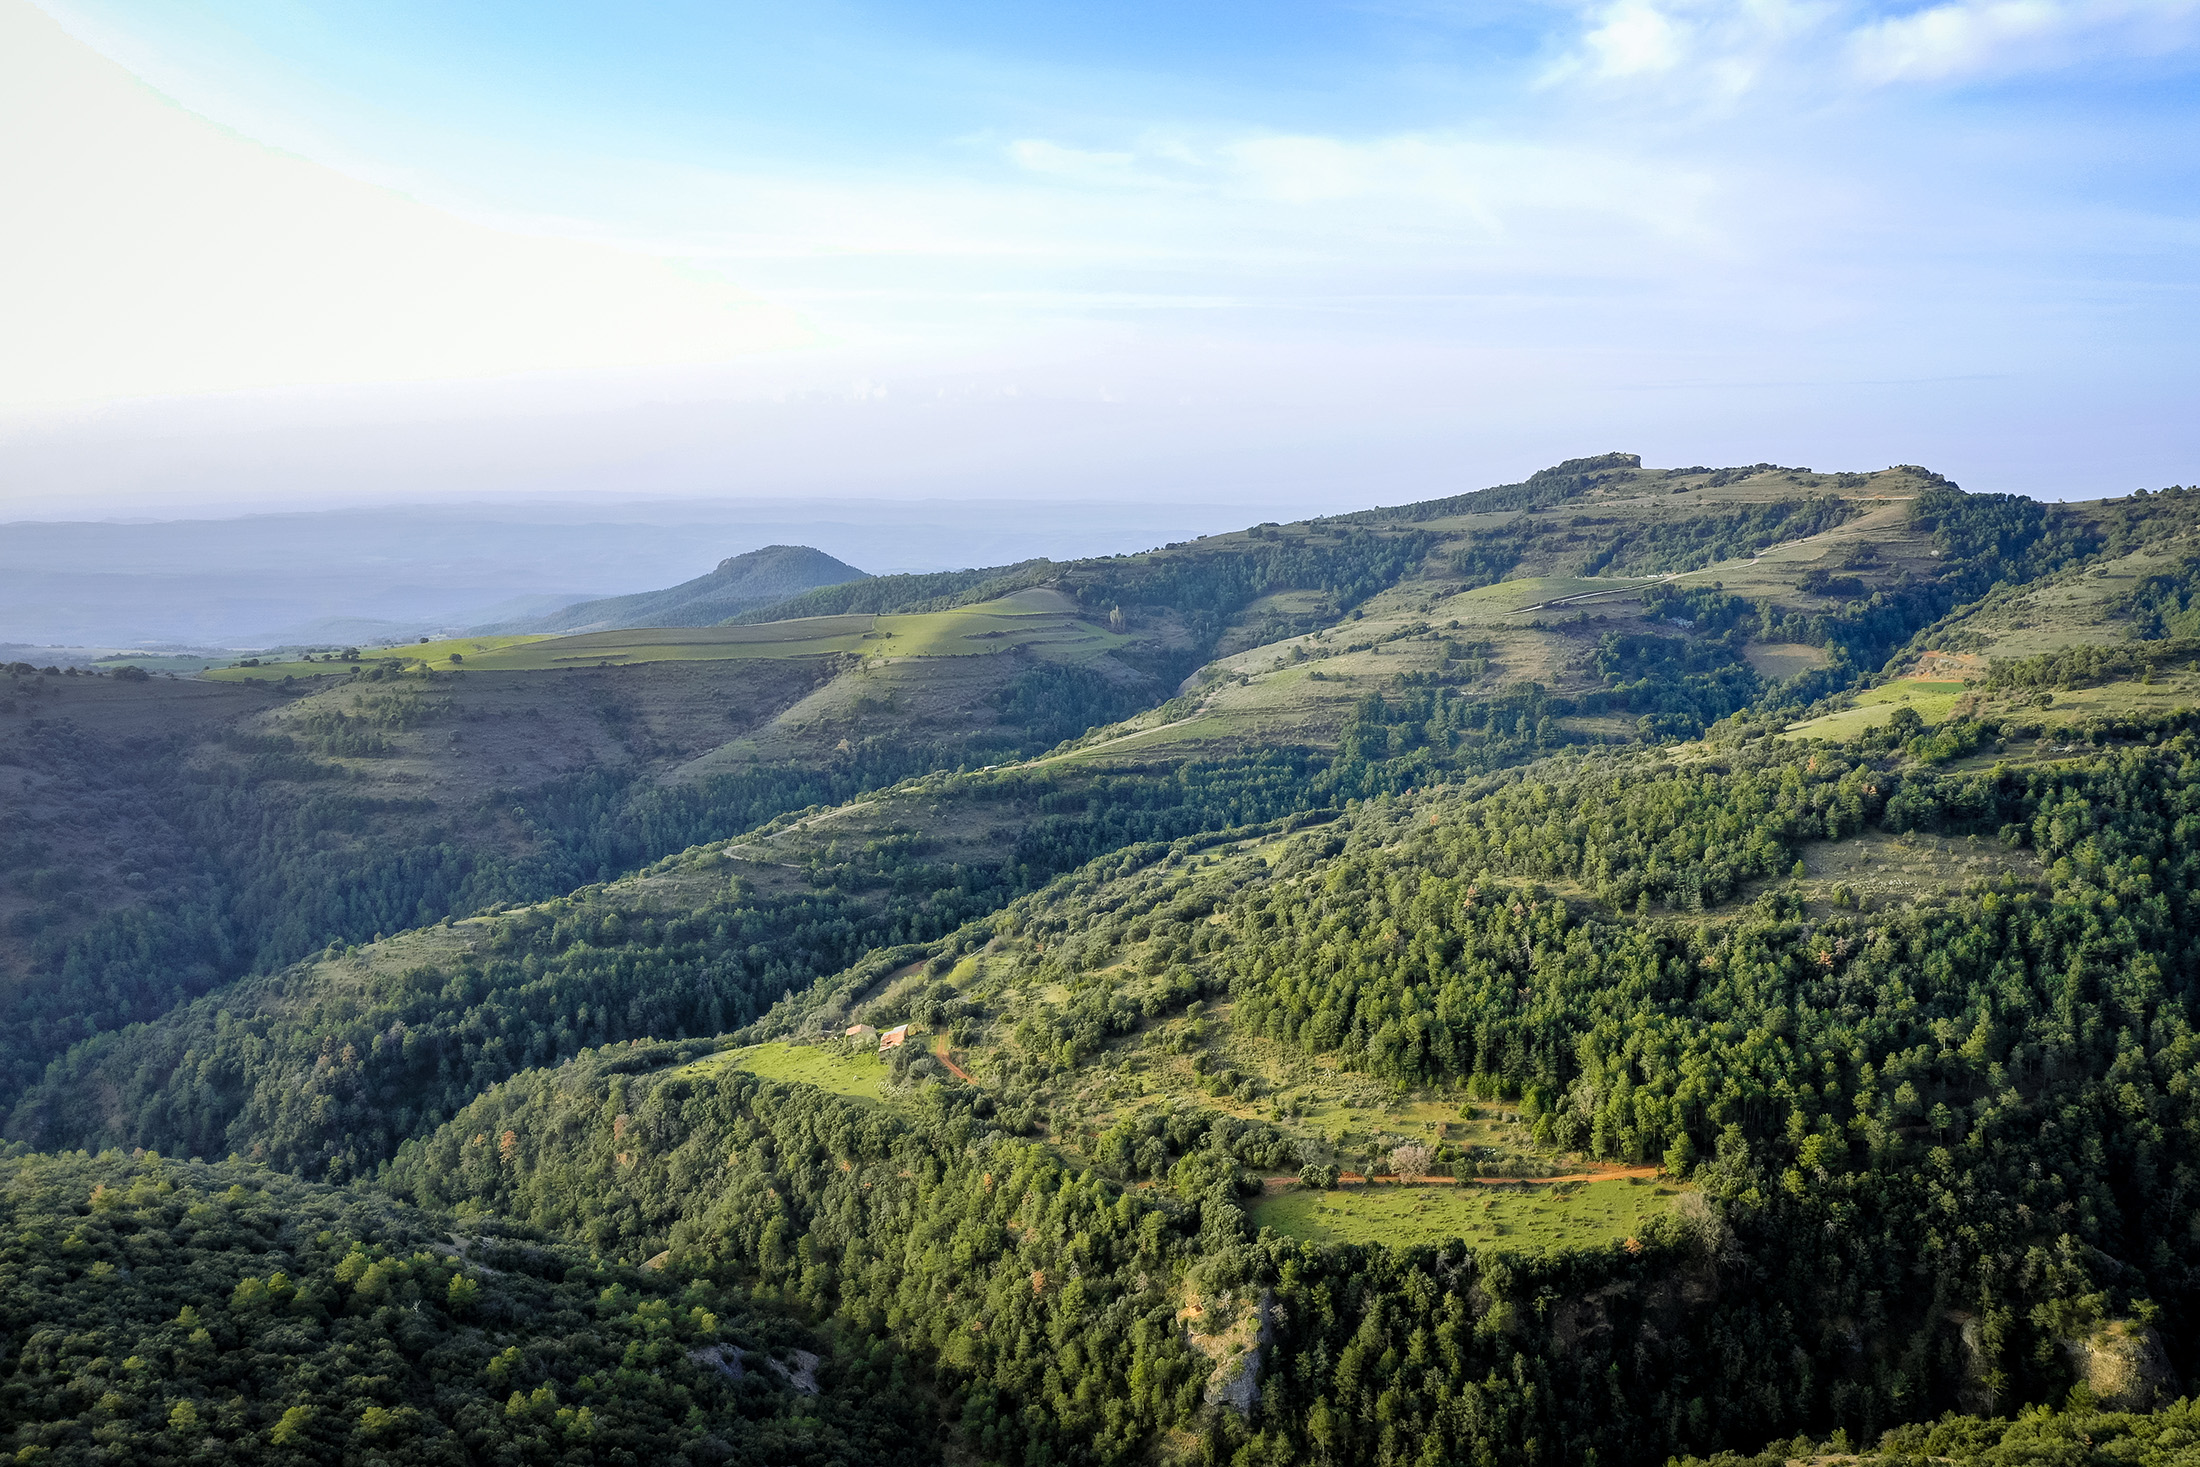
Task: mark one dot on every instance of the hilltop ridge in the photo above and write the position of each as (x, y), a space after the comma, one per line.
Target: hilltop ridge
(739, 583)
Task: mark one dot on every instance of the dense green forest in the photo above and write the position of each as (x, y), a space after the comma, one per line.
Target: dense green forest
(2004, 1146)
(1268, 1076)
(169, 1312)
(241, 878)
(2082, 1432)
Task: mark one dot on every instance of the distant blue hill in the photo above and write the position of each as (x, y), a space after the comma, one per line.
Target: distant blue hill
(743, 583)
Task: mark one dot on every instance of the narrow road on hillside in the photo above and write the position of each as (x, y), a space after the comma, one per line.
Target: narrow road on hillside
(1580, 598)
(1191, 717)
(939, 1052)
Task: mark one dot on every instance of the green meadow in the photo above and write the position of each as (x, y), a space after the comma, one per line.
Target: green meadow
(1531, 1218)
(858, 1074)
(1933, 700)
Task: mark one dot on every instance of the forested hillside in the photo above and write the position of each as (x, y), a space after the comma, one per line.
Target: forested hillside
(1907, 1194)
(1632, 964)
(165, 1312)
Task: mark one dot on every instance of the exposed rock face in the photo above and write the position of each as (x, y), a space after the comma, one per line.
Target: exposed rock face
(726, 1360)
(802, 1375)
(1977, 1392)
(1236, 1353)
(2124, 1365)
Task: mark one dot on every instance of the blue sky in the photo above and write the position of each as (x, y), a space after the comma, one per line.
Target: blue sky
(1311, 252)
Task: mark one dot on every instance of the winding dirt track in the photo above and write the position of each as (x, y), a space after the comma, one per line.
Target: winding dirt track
(939, 1052)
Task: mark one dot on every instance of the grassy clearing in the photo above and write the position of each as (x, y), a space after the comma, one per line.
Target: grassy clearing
(1775, 574)
(856, 1073)
(1563, 1216)
(1881, 870)
(1779, 661)
(822, 636)
(1934, 701)
(1221, 728)
(1044, 621)
(2076, 705)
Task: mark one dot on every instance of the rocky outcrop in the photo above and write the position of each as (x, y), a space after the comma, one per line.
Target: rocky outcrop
(1235, 1349)
(2124, 1365)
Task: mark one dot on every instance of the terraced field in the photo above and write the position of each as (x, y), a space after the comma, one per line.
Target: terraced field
(1043, 623)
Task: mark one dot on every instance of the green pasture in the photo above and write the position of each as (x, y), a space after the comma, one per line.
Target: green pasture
(810, 637)
(1778, 661)
(1933, 700)
(1532, 1218)
(2073, 609)
(856, 1073)
(1043, 621)
(2174, 693)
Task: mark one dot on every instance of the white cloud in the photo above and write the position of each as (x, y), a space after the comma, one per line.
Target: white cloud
(1635, 39)
(1080, 165)
(1714, 49)
(1718, 50)
(1972, 37)
(1329, 193)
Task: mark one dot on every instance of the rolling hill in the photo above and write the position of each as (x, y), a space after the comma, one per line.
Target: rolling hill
(740, 583)
(1716, 946)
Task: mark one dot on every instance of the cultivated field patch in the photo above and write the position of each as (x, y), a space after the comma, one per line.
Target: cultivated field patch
(1528, 1216)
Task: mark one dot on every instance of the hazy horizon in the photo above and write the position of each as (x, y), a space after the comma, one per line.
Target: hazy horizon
(266, 579)
(1330, 255)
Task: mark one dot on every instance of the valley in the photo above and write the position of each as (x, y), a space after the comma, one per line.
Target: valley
(1714, 944)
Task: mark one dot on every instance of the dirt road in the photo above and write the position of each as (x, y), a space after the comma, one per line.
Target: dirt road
(939, 1052)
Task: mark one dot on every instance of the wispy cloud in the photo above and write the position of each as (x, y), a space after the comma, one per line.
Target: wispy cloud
(1996, 37)
(1729, 47)
(1084, 165)
(1421, 183)
(1381, 220)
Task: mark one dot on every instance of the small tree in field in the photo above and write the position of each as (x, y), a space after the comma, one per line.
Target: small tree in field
(1410, 1162)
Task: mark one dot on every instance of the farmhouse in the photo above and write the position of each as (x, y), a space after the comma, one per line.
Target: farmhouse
(894, 1038)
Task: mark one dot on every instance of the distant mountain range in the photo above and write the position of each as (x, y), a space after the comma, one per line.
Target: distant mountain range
(743, 583)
